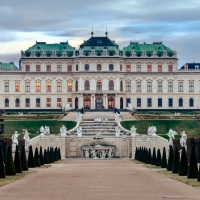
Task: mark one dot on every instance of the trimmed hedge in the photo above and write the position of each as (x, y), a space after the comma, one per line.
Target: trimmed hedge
(23, 159)
(17, 162)
(9, 164)
(31, 163)
(183, 165)
(193, 170)
(2, 168)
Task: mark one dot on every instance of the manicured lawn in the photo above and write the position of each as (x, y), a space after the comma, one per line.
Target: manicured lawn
(33, 126)
(162, 126)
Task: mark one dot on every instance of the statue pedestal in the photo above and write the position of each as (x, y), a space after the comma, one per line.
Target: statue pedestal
(13, 147)
(63, 134)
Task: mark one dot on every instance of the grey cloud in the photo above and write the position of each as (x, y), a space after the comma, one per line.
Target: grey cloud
(10, 57)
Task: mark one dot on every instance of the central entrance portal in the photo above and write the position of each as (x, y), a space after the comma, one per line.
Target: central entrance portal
(99, 103)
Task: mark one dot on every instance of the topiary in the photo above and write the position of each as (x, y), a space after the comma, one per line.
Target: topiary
(2, 167)
(158, 159)
(46, 158)
(36, 158)
(164, 159)
(153, 160)
(49, 155)
(9, 164)
(149, 157)
(17, 162)
(183, 165)
(59, 153)
(175, 162)
(193, 170)
(198, 178)
(170, 159)
(52, 155)
(41, 157)
(31, 163)
(136, 153)
(23, 160)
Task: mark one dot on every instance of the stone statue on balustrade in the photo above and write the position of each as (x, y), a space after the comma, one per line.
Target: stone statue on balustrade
(133, 131)
(63, 130)
(171, 135)
(152, 131)
(26, 138)
(117, 131)
(87, 154)
(46, 130)
(183, 140)
(79, 131)
(15, 140)
(110, 152)
(42, 130)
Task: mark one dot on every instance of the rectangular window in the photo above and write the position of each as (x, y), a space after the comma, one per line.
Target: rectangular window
(59, 68)
(69, 68)
(159, 102)
(59, 102)
(17, 86)
(149, 86)
(27, 68)
(149, 68)
(59, 86)
(128, 100)
(128, 86)
(6, 86)
(69, 86)
(70, 102)
(27, 102)
(139, 102)
(27, 86)
(170, 86)
(128, 68)
(138, 68)
(170, 102)
(159, 68)
(138, 86)
(76, 67)
(170, 68)
(180, 86)
(38, 88)
(38, 69)
(191, 86)
(37, 102)
(149, 102)
(48, 68)
(48, 102)
(48, 86)
(159, 86)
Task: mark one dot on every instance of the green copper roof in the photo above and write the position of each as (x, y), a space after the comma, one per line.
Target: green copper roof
(42, 46)
(7, 66)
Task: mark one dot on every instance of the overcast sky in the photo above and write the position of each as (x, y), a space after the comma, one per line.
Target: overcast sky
(175, 22)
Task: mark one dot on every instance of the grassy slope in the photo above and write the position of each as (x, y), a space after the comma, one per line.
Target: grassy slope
(162, 126)
(34, 126)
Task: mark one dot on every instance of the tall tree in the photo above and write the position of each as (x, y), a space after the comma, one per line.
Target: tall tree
(9, 164)
(153, 160)
(2, 168)
(158, 159)
(31, 163)
(17, 162)
(164, 159)
(41, 156)
(183, 165)
(170, 159)
(193, 170)
(36, 158)
(23, 159)
(175, 162)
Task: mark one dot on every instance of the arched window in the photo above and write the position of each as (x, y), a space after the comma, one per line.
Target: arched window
(99, 67)
(121, 103)
(111, 102)
(191, 102)
(180, 102)
(6, 102)
(76, 85)
(87, 67)
(87, 102)
(121, 86)
(87, 85)
(17, 102)
(111, 67)
(99, 85)
(111, 85)
(120, 67)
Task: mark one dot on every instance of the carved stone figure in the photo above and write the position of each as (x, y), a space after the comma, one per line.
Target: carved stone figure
(117, 115)
(171, 135)
(79, 114)
(42, 130)
(110, 152)
(133, 131)
(14, 138)
(26, 138)
(79, 131)
(63, 130)
(87, 155)
(183, 140)
(46, 130)
(93, 153)
(103, 154)
(117, 131)
(67, 107)
(152, 131)
(98, 119)
(130, 107)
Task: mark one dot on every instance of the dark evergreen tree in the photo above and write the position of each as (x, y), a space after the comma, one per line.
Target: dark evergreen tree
(175, 162)
(142, 155)
(2, 168)
(193, 170)
(41, 157)
(55, 154)
(135, 153)
(31, 163)
(164, 159)
(146, 155)
(183, 165)
(52, 154)
(36, 158)
(170, 159)
(23, 159)
(149, 157)
(158, 159)
(49, 155)
(198, 178)
(153, 160)
(59, 153)
(17, 162)
(9, 164)
(46, 158)
(139, 153)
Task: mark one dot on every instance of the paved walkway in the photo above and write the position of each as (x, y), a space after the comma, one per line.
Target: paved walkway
(82, 179)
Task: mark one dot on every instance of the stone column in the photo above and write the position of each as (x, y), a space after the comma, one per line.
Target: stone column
(62, 147)
(133, 146)
(106, 101)
(92, 101)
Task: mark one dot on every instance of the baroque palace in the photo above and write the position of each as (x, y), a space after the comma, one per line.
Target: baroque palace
(99, 75)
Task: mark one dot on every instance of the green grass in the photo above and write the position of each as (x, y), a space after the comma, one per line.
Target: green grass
(34, 125)
(162, 126)
(147, 165)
